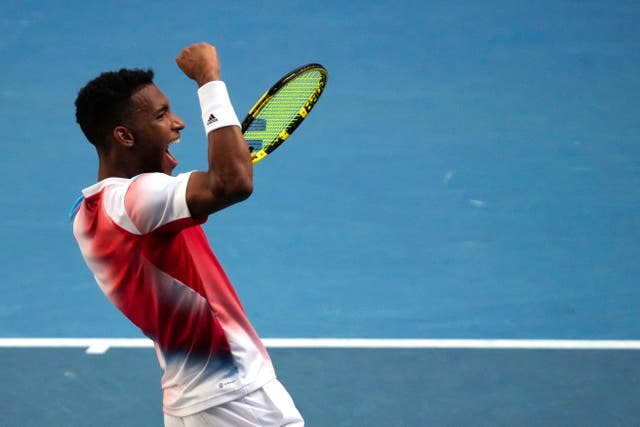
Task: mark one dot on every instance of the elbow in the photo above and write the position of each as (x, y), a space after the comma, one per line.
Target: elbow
(244, 183)
(243, 189)
(230, 188)
(238, 189)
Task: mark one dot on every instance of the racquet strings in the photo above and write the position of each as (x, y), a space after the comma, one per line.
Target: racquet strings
(281, 109)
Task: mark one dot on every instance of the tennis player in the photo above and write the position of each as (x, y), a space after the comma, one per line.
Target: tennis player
(139, 231)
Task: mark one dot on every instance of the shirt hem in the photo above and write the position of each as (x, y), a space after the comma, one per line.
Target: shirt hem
(231, 395)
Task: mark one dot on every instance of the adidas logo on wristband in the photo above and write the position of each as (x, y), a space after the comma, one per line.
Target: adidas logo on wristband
(211, 119)
(216, 108)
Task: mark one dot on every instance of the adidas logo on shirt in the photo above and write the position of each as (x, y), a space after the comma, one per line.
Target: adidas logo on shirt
(211, 119)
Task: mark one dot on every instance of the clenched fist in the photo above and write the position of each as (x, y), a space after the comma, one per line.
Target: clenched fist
(200, 63)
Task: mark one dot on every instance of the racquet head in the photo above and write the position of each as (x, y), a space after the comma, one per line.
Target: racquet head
(282, 108)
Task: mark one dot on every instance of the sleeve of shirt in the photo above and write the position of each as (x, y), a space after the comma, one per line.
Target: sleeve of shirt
(158, 202)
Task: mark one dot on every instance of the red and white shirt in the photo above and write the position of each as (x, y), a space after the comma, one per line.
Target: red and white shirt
(153, 261)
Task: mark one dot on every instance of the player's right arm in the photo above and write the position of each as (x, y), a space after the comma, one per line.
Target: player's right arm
(229, 178)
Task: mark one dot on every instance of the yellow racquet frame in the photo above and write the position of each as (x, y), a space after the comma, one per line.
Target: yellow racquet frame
(281, 109)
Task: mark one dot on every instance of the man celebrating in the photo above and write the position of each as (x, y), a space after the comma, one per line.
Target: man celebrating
(139, 231)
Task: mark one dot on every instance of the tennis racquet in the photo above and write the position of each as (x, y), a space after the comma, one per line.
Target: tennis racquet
(282, 108)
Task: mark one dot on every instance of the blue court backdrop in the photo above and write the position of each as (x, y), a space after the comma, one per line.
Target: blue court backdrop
(472, 170)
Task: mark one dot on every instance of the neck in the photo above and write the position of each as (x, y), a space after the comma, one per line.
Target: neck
(112, 166)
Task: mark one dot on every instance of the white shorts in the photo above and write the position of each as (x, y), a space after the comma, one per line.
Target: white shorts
(270, 406)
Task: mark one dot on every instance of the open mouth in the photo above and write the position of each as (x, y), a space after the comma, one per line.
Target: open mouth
(171, 160)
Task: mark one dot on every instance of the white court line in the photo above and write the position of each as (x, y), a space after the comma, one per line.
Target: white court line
(102, 345)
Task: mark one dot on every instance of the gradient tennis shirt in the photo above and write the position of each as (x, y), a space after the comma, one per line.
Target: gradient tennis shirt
(154, 263)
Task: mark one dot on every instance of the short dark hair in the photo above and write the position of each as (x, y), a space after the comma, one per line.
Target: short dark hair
(104, 102)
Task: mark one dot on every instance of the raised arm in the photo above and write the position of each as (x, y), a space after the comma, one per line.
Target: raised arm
(229, 178)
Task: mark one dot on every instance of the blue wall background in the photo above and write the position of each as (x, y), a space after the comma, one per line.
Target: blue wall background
(472, 170)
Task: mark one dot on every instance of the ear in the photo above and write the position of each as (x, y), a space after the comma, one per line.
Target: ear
(123, 136)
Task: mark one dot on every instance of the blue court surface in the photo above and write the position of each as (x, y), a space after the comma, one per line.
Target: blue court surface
(472, 172)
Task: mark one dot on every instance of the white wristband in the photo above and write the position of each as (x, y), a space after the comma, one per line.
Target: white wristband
(217, 111)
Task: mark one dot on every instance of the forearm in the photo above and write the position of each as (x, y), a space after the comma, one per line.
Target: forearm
(229, 160)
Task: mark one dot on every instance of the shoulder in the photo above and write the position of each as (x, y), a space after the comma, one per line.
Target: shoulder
(154, 187)
(156, 181)
(152, 200)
